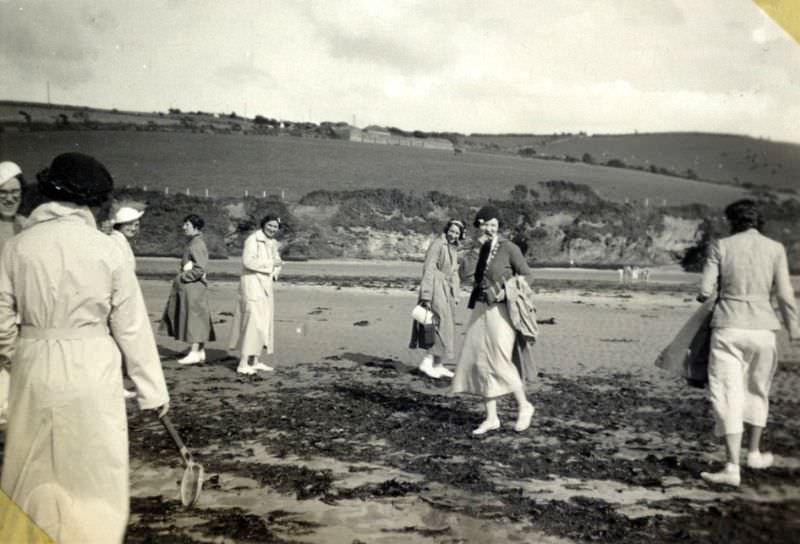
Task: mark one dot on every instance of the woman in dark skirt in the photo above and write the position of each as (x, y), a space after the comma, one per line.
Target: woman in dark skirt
(187, 316)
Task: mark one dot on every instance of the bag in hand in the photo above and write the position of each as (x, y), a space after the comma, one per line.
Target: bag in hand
(426, 334)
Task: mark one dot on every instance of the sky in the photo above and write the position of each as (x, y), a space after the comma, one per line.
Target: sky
(469, 66)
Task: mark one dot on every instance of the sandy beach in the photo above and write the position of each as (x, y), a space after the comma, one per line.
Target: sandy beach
(347, 443)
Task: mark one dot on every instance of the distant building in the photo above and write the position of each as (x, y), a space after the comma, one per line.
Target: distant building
(374, 135)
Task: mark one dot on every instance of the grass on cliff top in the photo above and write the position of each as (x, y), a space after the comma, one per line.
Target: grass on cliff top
(227, 165)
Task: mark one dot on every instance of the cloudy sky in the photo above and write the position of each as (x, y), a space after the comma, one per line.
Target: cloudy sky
(600, 66)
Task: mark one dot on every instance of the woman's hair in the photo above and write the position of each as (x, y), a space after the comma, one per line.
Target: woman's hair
(195, 220)
(269, 217)
(486, 213)
(743, 214)
(461, 227)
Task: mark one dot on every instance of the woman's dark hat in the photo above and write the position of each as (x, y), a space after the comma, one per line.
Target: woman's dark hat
(485, 214)
(77, 178)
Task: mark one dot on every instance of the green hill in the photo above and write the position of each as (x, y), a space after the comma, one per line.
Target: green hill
(230, 164)
(736, 160)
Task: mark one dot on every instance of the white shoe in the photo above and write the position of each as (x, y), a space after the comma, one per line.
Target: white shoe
(728, 476)
(759, 460)
(261, 366)
(245, 369)
(426, 367)
(129, 394)
(443, 372)
(193, 357)
(487, 426)
(524, 417)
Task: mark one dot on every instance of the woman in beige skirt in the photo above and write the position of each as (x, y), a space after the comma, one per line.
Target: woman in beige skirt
(485, 366)
(745, 268)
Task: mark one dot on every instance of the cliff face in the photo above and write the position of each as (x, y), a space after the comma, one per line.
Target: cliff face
(392, 224)
(549, 246)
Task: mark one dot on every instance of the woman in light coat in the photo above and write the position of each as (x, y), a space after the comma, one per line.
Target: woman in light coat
(438, 292)
(125, 227)
(12, 183)
(80, 311)
(187, 316)
(253, 327)
(485, 366)
(745, 268)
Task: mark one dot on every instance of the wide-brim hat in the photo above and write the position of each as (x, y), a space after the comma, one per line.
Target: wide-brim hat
(126, 214)
(78, 178)
(8, 171)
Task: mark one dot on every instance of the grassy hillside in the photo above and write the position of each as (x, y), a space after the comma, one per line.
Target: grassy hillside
(229, 164)
(719, 157)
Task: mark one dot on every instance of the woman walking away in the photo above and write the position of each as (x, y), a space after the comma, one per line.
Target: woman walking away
(253, 327)
(485, 366)
(11, 185)
(745, 268)
(438, 292)
(80, 310)
(187, 316)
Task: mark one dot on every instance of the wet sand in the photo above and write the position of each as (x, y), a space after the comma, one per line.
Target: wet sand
(347, 443)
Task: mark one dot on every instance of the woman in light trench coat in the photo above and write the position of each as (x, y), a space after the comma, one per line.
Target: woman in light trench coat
(80, 311)
(253, 327)
(439, 292)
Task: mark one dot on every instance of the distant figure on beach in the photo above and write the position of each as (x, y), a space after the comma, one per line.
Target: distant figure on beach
(743, 356)
(438, 292)
(486, 365)
(187, 316)
(644, 274)
(70, 309)
(253, 327)
(621, 274)
(12, 183)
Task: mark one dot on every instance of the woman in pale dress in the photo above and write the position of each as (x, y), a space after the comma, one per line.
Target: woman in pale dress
(187, 316)
(438, 292)
(485, 367)
(253, 328)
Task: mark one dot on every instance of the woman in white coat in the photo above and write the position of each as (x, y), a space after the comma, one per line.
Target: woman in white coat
(80, 311)
(253, 327)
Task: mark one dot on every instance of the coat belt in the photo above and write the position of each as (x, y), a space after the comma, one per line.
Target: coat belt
(41, 333)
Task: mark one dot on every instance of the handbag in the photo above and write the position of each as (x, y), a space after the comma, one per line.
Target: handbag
(426, 335)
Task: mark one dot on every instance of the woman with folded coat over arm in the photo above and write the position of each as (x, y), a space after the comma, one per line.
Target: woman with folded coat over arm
(745, 268)
(485, 366)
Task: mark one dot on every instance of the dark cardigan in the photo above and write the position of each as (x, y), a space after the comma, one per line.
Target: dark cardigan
(507, 262)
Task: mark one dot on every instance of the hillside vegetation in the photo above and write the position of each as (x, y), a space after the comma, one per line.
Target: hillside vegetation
(560, 222)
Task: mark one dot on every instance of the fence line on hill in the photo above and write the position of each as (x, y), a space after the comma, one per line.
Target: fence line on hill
(207, 194)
